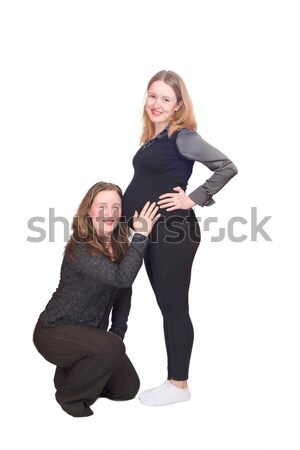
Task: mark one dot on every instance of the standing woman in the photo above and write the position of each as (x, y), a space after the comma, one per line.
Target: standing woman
(97, 272)
(162, 168)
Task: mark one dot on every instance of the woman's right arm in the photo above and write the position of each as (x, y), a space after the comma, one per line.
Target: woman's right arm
(120, 275)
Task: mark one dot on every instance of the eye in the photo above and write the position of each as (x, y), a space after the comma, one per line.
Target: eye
(166, 100)
(151, 96)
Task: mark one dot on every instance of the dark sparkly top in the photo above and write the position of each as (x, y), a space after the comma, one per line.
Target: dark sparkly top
(91, 287)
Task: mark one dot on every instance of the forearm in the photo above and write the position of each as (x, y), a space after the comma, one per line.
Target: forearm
(203, 194)
(191, 146)
(120, 312)
(101, 268)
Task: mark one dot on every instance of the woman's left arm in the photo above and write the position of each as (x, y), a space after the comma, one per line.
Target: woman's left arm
(120, 312)
(193, 147)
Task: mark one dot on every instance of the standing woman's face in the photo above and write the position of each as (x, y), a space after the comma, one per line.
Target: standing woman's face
(161, 104)
(105, 212)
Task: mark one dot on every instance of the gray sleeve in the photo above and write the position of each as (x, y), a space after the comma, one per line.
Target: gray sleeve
(102, 269)
(193, 147)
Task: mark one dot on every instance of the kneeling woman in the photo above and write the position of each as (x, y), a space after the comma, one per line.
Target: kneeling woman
(97, 272)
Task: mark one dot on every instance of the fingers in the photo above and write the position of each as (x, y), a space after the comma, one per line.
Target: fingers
(167, 205)
(152, 211)
(144, 208)
(170, 194)
(144, 222)
(147, 210)
(172, 209)
(151, 208)
(172, 201)
(166, 200)
(153, 216)
(155, 219)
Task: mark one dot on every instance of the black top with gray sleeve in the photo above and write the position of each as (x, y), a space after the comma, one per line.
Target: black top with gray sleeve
(166, 162)
(91, 287)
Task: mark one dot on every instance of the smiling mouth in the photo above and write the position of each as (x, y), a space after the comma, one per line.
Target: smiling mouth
(155, 113)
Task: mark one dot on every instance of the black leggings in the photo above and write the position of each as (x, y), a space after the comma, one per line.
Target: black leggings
(168, 260)
(91, 363)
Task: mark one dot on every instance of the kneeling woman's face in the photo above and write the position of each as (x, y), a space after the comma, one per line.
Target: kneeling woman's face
(105, 212)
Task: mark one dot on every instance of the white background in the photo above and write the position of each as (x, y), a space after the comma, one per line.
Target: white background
(73, 77)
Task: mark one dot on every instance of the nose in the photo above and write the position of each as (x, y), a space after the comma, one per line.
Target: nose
(112, 213)
(157, 103)
(109, 213)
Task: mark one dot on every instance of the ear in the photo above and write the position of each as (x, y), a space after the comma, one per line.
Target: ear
(178, 106)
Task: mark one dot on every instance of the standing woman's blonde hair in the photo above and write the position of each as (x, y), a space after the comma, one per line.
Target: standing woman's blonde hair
(183, 118)
(84, 231)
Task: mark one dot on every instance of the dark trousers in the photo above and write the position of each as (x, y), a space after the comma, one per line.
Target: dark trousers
(168, 260)
(91, 363)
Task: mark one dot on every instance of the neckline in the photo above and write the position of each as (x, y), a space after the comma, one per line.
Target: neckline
(162, 132)
(160, 135)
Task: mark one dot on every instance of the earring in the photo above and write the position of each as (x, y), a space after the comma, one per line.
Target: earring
(175, 110)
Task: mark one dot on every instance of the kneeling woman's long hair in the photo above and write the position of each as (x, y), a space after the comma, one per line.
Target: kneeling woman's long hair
(84, 231)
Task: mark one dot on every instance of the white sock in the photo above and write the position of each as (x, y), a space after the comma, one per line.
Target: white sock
(166, 396)
(156, 389)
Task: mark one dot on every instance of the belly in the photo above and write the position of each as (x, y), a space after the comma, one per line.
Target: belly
(139, 192)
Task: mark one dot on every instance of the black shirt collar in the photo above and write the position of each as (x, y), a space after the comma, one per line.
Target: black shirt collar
(160, 135)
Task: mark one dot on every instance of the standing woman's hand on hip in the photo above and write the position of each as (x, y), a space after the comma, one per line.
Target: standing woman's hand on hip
(176, 201)
(144, 222)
